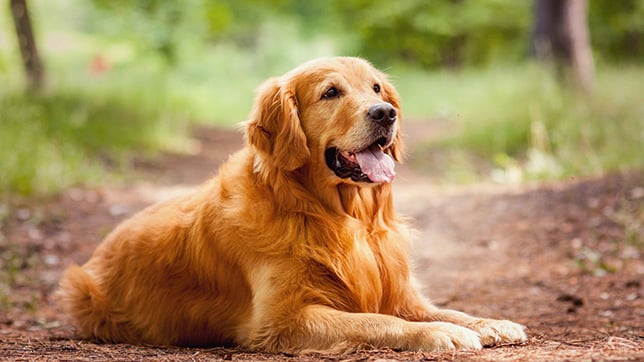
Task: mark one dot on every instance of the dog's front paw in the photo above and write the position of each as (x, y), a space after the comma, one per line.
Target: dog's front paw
(441, 336)
(494, 332)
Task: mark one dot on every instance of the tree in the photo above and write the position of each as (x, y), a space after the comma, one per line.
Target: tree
(28, 50)
(561, 35)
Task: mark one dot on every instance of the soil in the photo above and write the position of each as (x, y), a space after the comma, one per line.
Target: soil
(563, 258)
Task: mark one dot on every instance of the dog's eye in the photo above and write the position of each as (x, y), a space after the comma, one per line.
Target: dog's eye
(376, 88)
(331, 93)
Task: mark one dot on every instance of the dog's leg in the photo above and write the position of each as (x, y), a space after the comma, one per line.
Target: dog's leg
(492, 331)
(320, 328)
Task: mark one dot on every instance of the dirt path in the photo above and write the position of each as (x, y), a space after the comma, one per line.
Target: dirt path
(565, 259)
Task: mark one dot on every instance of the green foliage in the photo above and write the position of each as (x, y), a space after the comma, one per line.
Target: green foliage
(531, 126)
(151, 25)
(433, 33)
(468, 32)
(427, 33)
(424, 32)
(53, 140)
(617, 29)
(171, 27)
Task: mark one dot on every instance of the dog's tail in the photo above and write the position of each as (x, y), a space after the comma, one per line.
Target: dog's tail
(81, 298)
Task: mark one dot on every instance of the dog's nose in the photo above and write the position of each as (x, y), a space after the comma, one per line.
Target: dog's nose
(382, 113)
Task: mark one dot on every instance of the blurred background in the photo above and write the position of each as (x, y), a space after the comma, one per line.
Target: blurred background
(513, 90)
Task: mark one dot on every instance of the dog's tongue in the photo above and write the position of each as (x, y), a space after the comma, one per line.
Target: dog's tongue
(377, 165)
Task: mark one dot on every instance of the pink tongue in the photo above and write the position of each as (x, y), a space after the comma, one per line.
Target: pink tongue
(377, 165)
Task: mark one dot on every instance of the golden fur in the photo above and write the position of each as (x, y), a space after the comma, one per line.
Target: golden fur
(276, 253)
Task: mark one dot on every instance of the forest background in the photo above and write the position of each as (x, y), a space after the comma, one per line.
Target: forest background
(120, 79)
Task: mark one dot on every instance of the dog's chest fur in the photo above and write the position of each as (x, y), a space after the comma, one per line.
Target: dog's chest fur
(363, 274)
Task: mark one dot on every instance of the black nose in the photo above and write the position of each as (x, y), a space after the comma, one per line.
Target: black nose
(382, 113)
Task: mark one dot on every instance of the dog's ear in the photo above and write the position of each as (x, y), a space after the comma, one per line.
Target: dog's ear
(274, 127)
(391, 96)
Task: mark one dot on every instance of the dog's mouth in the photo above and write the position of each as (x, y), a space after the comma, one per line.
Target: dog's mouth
(371, 164)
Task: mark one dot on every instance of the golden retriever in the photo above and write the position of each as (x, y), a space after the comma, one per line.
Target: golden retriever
(294, 246)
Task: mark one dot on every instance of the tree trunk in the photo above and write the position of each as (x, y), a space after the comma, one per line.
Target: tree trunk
(561, 35)
(28, 50)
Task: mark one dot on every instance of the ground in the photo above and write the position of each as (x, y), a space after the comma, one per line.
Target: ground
(563, 258)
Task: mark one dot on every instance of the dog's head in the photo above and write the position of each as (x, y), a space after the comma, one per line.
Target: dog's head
(340, 117)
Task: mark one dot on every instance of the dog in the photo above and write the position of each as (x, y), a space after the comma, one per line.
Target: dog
(293, 247)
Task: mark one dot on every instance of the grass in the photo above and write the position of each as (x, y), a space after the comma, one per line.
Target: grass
(66, 135)
(526, 125)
